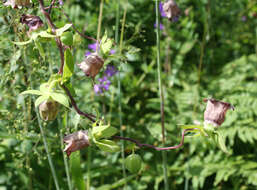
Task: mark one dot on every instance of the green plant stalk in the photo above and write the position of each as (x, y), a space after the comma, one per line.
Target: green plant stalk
(47, 151)
(88, 167)
(63, 153)
(99, 23)
(164, 154)
(42, 132)
(119, 79)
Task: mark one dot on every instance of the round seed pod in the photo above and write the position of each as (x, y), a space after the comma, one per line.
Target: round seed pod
(48, 110)
(133, 163)
(67, 38)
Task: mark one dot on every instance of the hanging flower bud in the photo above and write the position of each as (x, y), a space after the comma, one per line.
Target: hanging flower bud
(33, 22)
(76, 141)
(92, 65)
(171, 10)
(215, 111)
(48, 110)
(15, 3)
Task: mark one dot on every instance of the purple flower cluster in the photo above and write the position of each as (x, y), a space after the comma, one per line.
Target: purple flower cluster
(104, 82)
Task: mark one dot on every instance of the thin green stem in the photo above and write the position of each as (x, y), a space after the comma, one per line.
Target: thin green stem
(99, 23)
(47, 151)
(88, 166)
(164, 154)
(60, 125)
(119, 78)
(43, 134)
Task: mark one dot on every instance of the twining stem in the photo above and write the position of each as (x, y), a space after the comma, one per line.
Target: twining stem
(53, 28)
(164, 155)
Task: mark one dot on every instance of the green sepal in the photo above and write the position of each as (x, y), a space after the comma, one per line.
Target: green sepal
(34, 92)
(107, 145)
(219, 139)
(40, 99)
(104, 131)
(60, 98)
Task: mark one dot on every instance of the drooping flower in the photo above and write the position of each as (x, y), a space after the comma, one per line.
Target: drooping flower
(215, 111)
(76, 141)
(33, 22)
(171, 10)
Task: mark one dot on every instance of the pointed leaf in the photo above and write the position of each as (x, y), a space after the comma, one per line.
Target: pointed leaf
(107, 145)
(104, 131)
(40, 99)
(60, 98)
(221, 142)
(22, 43)
(45, 34)
(68, 65)
(35, 92)
(44, 88)
(63, 29)
(40, 49)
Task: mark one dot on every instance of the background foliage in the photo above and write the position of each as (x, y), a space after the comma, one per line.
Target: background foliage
(210, 52)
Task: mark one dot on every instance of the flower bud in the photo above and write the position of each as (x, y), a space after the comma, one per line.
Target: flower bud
(92, 65)
(171, 10)
(48, 110)
(133, 163)
(76, 141)
(215, 111)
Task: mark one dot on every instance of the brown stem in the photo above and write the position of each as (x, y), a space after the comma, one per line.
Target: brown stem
(50, 7)
(152, 146)
(53, 28)
(74, 104)
(82, 35)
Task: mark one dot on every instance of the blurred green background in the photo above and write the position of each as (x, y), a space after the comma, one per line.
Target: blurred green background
(210, 52)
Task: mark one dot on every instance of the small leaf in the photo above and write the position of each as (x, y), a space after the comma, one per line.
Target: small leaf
(221, 142)
(63, 29)
(68, 65)
(22, 43)
(35, 92)
(40, 99)
(45, 34)
(44, 88)
(104, 131)
(186, 47)
(107, 145)
(60, 98)
(40, 49)
(106, 46)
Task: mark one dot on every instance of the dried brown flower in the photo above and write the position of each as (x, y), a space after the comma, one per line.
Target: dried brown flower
(215, 111)
(33, 22)
(171, 10)
(76, 141)
(48, 110)
(15, 3)
(92, 65)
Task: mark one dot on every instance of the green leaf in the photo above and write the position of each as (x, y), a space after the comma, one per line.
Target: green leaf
(40, 49)
(107, 145)
(68, 65)
(104, 131)
(221, 142)
(35, 92)
(76, 171)
(22, 43)
(186, 47)
(45, 34)
(40, 99)
(44, 88)
(60, 98)
(71, 89)
(106, 47)
(63, 29)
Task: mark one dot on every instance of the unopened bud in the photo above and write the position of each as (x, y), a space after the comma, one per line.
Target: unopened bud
(215, 111)
(92, 65)
(48, 110)
(76, 141)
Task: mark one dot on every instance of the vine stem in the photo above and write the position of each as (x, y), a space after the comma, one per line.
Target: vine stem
(164, 155)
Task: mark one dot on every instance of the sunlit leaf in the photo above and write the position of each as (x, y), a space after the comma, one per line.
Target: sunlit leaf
(60, 98)
(63, 29)
(40, 99)
(34, 92)
(107, 145)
